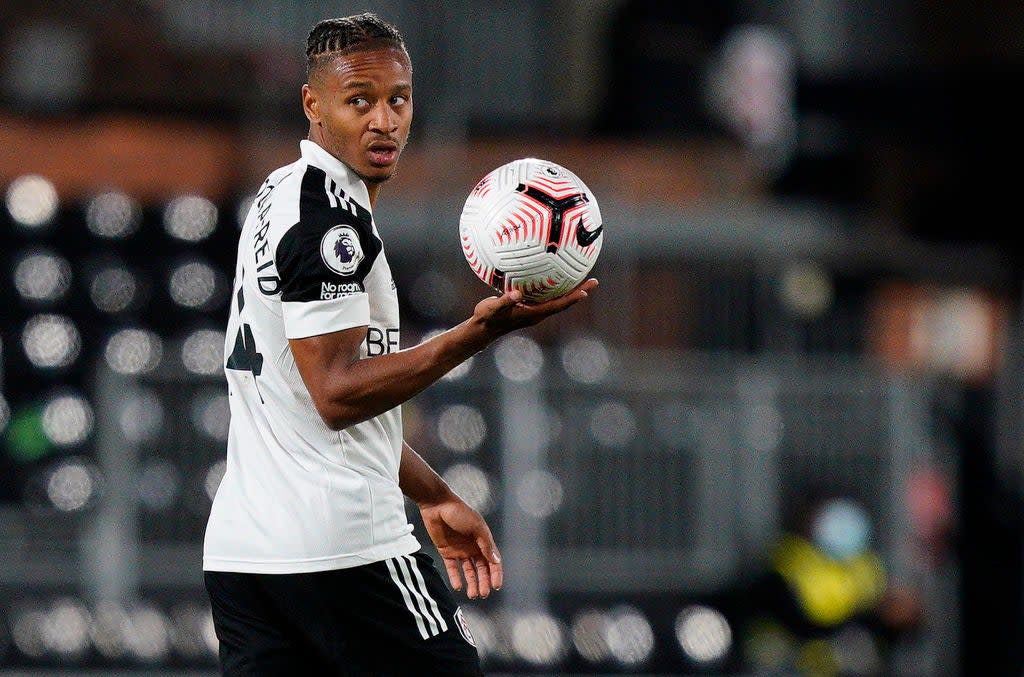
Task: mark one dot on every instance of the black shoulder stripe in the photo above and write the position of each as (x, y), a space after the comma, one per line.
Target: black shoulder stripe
(332, 248)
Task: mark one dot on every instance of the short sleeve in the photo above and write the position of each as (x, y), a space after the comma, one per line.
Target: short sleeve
(323, 261)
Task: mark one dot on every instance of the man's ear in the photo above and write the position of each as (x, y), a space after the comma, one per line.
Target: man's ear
(310, 104)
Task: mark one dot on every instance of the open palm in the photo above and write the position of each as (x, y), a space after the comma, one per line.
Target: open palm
(466, 545)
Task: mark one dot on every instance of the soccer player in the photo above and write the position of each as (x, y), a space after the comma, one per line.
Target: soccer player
(310, 561)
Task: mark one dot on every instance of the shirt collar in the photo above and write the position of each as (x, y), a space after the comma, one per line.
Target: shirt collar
(315, 154)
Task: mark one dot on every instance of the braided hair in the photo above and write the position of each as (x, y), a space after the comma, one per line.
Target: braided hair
(331, 37)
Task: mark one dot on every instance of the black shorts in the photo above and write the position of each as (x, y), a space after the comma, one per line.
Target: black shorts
(391, 618)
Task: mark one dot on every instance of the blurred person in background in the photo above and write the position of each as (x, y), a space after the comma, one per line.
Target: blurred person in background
(309, 559)
(826, 606)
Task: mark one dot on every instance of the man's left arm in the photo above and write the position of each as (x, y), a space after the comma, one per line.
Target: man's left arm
(459, 532)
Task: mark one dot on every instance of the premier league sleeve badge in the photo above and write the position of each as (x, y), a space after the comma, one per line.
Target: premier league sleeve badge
(341, 250)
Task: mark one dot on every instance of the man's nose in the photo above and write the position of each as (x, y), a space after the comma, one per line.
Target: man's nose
(383, 119)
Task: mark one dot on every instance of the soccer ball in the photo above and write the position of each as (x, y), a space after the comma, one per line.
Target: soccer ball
(531, 225)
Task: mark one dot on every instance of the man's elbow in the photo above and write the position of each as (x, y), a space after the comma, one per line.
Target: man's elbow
(335, 423)
(337, 416)
(334, 417)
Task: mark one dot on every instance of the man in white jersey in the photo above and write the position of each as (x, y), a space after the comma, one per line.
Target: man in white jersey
(310, 561)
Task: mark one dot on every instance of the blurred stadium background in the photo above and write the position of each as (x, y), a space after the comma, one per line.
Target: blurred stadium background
(810, 289)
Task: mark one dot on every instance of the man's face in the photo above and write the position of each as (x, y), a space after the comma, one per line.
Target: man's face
(360, 107)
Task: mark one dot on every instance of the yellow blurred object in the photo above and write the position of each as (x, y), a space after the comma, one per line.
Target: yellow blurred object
(829, 591)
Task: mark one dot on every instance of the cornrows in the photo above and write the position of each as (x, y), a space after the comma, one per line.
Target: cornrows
(330, 36)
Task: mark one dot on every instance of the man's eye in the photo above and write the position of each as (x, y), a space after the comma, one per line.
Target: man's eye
(398, 100)
(358, 101)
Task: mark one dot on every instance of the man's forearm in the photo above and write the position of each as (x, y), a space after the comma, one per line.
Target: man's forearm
(348, 390)
(418, 480)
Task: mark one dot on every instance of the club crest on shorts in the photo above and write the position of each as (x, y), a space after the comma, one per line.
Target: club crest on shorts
(341, 251)
(463, 626)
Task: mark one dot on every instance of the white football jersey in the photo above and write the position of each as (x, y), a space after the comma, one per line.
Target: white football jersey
(297, 496)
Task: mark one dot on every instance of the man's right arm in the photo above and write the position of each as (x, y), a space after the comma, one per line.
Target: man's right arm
(347, 389)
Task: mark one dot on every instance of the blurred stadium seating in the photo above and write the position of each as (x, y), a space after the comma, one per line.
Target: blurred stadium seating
(782, 311)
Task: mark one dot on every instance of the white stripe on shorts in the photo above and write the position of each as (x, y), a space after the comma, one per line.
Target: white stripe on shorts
(415, 567)
(408, 600)
(413, 598)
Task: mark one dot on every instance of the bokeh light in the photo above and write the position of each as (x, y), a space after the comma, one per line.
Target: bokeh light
(472, 484)
(71, 485)
(32, 201)
(461, 428)
(51, 341)
(588, 635)
(42, 276)
(190, 218)
(193, 284)
(202, 352)
(64, 628)
(27, 631)
(806, 290)
(539, 638)
(113, 215)
(518, 358)
(147, 633)
(67, 420)
(133, 351)
(109, 620)
(703, 633)
(539, 493)
(629, 636)
(586, 360)
(114, 289)
(211, 414)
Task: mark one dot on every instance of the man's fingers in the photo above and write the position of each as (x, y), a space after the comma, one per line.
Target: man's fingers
(573, 297)
(453, 574)
(510, 298)
(492, 561)
(501, 306)
(581, 292)
(472, 589)
(483, 575)
(497, 573)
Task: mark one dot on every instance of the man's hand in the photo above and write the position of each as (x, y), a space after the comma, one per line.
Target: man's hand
(509, 312)
(464, 541)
